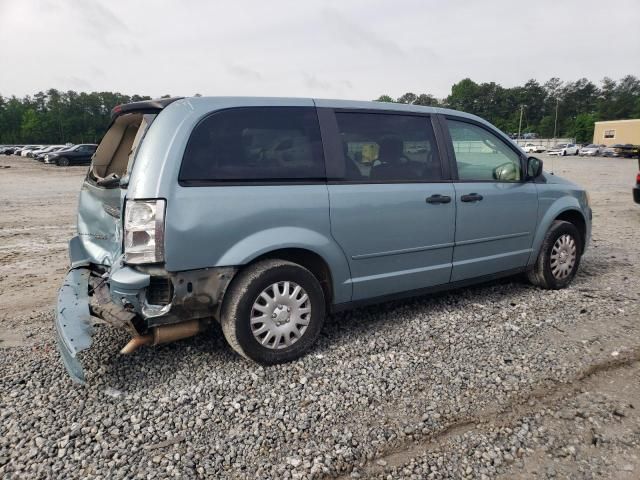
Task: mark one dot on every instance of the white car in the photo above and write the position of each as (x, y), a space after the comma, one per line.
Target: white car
(564, 149)
(591, 150)
(25, 151)
(533, 148)
(45, 149)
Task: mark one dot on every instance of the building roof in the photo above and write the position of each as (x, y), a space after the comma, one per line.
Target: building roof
(618, 121)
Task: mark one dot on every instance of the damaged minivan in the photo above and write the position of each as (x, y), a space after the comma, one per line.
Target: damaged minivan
(266, 214)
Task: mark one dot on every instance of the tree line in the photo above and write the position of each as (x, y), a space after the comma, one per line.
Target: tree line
(79, 117)
(579, 104)
(55, 117)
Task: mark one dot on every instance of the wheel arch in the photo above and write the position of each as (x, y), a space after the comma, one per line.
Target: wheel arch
(311, 249)
(577, 219)
(567, 209)
(308, 259)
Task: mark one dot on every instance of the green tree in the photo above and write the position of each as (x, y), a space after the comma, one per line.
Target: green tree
(408, 98)
(384, 98)
(583, 127)
(426, 100)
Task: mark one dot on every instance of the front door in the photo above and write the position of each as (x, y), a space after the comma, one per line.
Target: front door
(496, 211)
(391, 211)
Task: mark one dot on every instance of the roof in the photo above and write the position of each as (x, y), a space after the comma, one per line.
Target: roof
(619, 121)
(160, 103)
(215, 102)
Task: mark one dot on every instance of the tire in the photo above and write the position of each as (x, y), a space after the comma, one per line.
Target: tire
(245, 293)
(564, 153)
(553, 273)
(63, 162)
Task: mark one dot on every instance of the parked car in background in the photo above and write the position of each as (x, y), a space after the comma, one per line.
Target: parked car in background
(590, 150)
(28, 149)
(40, 154)
(17, 151)
(266, 214)
(24, 150)
(529, 135)
(76, 155)
(37, 151)
(13, 150)
(533, 148)
(564, 149)
(627, 150)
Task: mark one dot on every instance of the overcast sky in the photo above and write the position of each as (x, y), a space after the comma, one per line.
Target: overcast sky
(354, 49)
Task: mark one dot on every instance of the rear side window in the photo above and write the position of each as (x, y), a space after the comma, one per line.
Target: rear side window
(255, 144)
(380, 147)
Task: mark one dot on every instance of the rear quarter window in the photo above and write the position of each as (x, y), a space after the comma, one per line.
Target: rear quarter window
(254, 144)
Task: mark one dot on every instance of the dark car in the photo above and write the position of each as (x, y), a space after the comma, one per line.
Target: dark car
(8, 150)
(627, 150)
(76, 155)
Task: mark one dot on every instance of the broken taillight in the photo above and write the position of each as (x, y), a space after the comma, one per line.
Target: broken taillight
(144, 231)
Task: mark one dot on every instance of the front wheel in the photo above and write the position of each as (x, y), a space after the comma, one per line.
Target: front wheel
(273, 311)
(559, 257)
(62, 162)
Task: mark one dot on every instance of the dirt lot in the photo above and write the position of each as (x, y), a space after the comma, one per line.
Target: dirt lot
(501, 380)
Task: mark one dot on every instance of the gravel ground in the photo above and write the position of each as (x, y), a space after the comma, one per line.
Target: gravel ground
(496, 381)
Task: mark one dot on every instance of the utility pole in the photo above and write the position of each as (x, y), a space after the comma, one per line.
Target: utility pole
(520, 124)
(555, 125)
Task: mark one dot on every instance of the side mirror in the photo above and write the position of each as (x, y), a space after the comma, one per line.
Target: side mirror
(534, 168)
(507, 172)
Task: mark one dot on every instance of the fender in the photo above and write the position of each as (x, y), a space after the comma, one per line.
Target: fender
(265, 241)
(560, 205)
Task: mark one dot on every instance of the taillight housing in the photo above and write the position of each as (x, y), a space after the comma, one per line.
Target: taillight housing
(638, 178)
(144, 231)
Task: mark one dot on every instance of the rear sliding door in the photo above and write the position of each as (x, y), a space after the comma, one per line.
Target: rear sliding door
(391, 207)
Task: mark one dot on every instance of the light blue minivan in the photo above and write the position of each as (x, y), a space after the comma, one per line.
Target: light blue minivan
(266, 214)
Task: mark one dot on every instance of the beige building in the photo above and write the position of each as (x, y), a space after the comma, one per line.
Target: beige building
(617, 131)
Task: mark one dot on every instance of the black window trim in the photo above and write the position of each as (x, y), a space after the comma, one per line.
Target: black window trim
(256, 182)
(334, 155)
(443, 118)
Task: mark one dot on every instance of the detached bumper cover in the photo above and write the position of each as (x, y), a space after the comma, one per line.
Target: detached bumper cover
(73, 323)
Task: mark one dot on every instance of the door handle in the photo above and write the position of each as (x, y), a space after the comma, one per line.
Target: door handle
(438, 199)
(471, 197)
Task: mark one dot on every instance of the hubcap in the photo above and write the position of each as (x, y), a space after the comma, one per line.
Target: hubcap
(563, 256)
(280, 315)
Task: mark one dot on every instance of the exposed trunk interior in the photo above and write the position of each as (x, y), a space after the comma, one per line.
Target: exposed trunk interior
(112, 157)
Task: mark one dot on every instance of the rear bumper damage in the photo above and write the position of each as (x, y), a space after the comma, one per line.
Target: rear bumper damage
(73, 323)
(155, 306)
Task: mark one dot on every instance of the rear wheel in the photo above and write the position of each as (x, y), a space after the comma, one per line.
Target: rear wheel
(559, 257)
(273, 311)
(62, 162)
